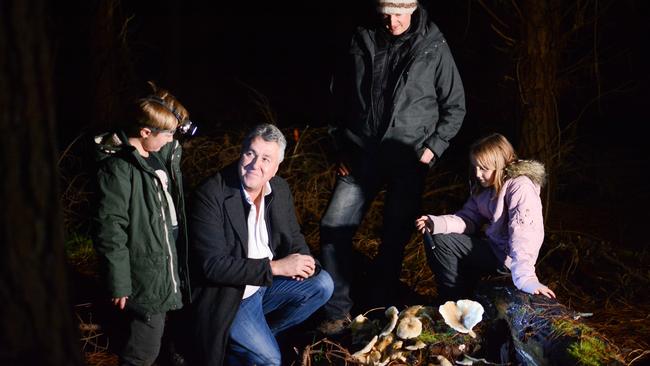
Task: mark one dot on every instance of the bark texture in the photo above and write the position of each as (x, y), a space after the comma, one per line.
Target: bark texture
(37, 326)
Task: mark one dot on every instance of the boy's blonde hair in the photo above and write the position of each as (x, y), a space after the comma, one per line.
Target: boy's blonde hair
(492, 152)
(160, 110)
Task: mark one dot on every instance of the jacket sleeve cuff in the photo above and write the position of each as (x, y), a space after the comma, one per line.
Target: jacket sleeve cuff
(439, 224)
(529, 286)
(436, 145)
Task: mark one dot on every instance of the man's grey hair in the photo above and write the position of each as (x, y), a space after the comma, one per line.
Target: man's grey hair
(269, 133)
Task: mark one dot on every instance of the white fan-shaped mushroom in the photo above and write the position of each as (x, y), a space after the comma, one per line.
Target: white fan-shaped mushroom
(462, 316)
(472, 312)
(392, 314)
(409, 327)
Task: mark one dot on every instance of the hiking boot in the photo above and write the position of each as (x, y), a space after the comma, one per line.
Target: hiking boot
(333, 327)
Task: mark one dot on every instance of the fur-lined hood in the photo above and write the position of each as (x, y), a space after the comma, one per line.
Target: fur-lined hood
(530, 168)
(111, 143)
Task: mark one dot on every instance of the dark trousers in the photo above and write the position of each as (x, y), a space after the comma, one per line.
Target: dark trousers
(348, 205)
(143, 340)
(457, 262)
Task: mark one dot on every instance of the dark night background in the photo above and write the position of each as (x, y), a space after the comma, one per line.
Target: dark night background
(69, 68)
(207, 54)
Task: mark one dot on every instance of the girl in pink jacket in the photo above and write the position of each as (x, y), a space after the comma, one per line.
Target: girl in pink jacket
(500, 225)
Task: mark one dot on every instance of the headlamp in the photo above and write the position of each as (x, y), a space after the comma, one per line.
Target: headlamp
(187, 128)
(184, 128)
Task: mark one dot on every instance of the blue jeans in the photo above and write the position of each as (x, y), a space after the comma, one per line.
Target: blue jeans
(271, 310)
(348, 205)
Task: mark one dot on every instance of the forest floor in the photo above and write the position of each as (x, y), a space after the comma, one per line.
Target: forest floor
(593, 264)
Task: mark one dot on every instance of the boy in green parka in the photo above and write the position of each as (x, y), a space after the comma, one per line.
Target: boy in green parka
(139, 225)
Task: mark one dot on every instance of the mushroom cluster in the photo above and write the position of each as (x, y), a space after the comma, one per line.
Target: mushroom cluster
(397, 338)
(398, 334)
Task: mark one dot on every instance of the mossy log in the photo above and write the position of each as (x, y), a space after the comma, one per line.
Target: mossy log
(542, 331)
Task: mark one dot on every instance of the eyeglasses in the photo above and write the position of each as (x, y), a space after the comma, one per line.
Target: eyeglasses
(186, 128)
(160, 130)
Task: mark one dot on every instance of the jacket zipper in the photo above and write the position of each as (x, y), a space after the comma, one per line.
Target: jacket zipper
(169, 248)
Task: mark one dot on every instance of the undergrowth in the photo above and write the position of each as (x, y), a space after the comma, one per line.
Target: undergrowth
(585, 272)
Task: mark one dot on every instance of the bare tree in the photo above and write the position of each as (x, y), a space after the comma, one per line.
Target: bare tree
(537, 34)
(36, 326)
(112, 69)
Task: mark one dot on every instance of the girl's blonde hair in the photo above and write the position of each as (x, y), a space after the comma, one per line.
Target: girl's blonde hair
(492, 152)
(160, 110)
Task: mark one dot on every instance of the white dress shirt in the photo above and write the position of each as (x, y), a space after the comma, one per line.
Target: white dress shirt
(258, 235)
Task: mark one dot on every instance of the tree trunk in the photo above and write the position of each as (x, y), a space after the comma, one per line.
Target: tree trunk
(37, 326)
(537, 72)
(113, 77)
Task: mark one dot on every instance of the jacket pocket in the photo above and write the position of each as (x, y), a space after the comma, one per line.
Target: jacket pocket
(149, 278)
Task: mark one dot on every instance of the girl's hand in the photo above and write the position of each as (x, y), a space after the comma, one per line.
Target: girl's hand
(543, 290)
(424, 223)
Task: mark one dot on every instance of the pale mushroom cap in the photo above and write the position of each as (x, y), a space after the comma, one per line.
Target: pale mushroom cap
(443, 361)
(398, 355)
(375, 356)
(392, 322)
(391, 311)
(418, 345)
(409, 327)
(462, 316)
(411, 311)
(472, 312)
(358, 322)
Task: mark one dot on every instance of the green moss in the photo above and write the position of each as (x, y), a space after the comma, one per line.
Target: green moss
(431, 338)
(589, 351)
(448, 337)
(569, 327)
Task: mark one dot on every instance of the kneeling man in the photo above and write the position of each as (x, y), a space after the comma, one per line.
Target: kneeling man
(253, 273)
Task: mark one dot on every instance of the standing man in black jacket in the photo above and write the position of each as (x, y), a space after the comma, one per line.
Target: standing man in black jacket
(253, 272)
(400, 100)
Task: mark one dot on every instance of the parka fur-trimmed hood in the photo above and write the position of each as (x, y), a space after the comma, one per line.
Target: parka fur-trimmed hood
(108, 144)
(531, 168)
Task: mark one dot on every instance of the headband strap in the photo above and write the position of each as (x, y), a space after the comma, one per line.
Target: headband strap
(158, 100)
